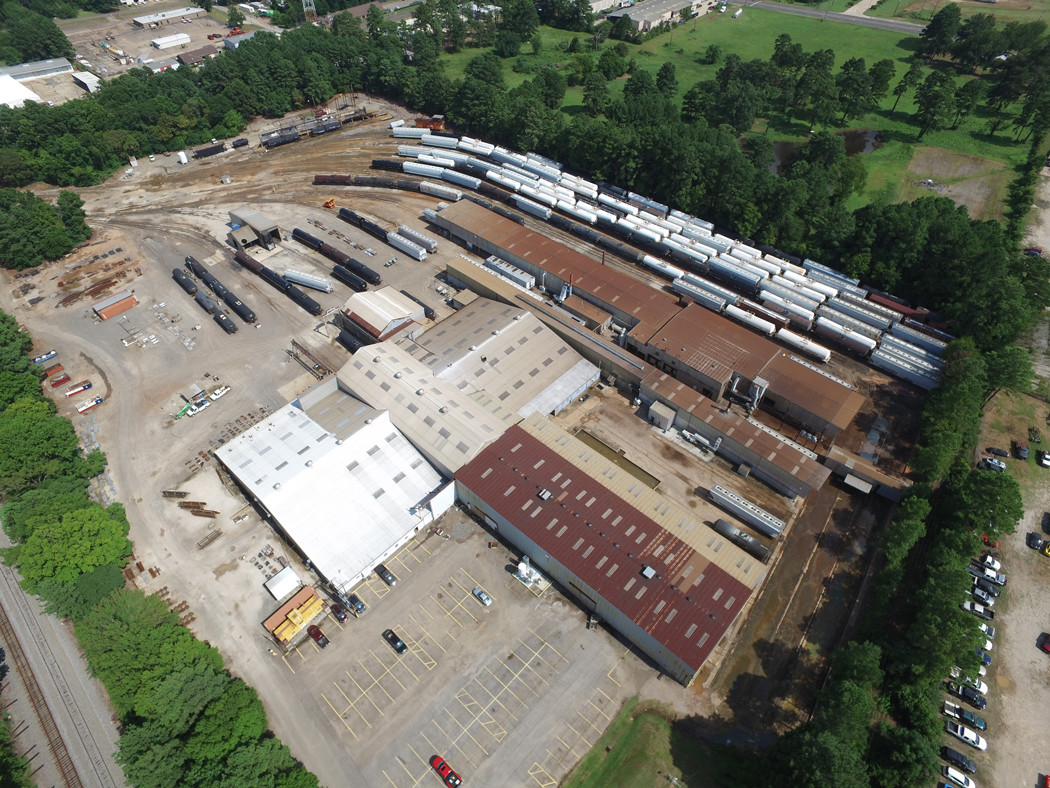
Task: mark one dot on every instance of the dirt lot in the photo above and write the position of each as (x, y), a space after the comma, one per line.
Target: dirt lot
(977, 183)
(1020, 693)
(354, 713)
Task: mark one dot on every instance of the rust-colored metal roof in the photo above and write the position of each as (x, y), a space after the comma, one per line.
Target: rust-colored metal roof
(686, 606)
(808, 389)
(605, 284)
(711, 344)
(112, 310)
(764, 444)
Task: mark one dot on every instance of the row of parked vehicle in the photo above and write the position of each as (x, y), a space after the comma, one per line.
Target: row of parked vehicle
(965, 725)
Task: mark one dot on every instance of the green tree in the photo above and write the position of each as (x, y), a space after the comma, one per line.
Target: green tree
(911, 78)
(129, 662)
(75, 599)
(902, 757)
(667, 80)
(938, 36)
(73, 545)
(906, 529)
(854, 86)
(70, 211)
(977, 42)
(14, 169)
(611, 65)
(935, 103)
(508, 44)
(487, 68)
(882, 74)
(46, 503)
(536, 42)
(595, 94)
(34, 445)
(234, 16)
(520, 18)
(17, 385)
(205, 4)
(967, 96)
(811, 759)
(552, 87)
(14, 345)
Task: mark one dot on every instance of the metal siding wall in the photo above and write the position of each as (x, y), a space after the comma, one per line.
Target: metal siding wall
(554, 570)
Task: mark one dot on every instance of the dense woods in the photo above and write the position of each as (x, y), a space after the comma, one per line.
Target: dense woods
(185, 720)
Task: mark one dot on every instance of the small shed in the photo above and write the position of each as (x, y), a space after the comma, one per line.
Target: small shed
(115, 304)
(295, 615)
(263, 230)
(283, 584)
(661, 416)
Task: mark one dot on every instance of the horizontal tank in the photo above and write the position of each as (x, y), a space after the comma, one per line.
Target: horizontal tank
(861, 313)
(440, 142)
(758, 518)
(239, 308)
(349, 278)
(532, 208)
(205, 303)
(706, 299)
(437, 190)
(859, 343)
(902, 370)
(410, 133)
(227, 325)
(711, 287)
(303, 300)
(750, 320)
(184, 281)
(807, 346)
(308, 280)
(662, 268)
(744, 541)
(426, 170)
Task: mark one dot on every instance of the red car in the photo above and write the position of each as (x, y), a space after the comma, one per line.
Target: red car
(1044, 643)
(989, 541)
(445, 772)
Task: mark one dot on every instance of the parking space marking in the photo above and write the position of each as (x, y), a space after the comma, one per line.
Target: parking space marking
(337, 714)
(352, 704)
(482, 715)
(541, 776)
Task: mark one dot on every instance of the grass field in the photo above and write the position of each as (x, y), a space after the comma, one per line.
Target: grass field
(922, 11)
(643, 750)
(751, 36)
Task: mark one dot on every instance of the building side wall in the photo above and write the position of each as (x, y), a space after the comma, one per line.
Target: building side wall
(589, 599)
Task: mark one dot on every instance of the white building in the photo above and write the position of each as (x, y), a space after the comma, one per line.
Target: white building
(14, 94)
(339, 480)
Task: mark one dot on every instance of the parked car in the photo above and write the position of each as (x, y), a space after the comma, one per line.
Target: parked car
(982, 596)
(356, 604)
(991, 464)
(1034, 540)
(1043, 458)
(997, 452)
(315, 632)
(978, 610)
(956, 779)
(1020, 449)
(386, 575)
(986, 586)
(395, 642)
(989, 632)
(1043, 641)
(958, 760)
(990, 561)
(993, 543)
(977, 684)
(339, 613)
(445, 772)
(962, 733)
(957, 712)
(484, 598)
(971, 696)
(220, 392)
(984, 657)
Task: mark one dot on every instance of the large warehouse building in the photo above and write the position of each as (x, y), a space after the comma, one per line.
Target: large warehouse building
(339, 480)
(704, 349)
(668, 583)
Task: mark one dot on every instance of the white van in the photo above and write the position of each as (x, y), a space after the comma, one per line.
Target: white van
(954, 776)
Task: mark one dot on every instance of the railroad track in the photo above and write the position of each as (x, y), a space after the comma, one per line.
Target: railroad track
(101, 775)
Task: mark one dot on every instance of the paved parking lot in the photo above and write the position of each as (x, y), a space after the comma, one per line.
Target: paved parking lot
(501, 692)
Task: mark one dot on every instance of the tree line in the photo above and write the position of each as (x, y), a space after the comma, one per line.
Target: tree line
(185, 721)
(33, 230)
(877, 720)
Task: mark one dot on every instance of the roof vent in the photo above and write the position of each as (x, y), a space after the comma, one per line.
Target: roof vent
(545, 494)
(309, 463)
(277, 485)
(375, 359)
(397, 375)
(442, 409)
(473, 347)
(648, 572)
(419, 392)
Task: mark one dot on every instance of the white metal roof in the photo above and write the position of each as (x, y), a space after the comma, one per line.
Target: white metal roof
(254, 219)
(344, 502)
(14, 94)
(508, 353)
(164, 16)
(378, 309)
(447, 425)
(284, 583)
(174, 38)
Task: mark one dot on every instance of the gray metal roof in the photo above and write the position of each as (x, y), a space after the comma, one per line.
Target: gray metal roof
(37, 68)
(257, 221)
(164, 16)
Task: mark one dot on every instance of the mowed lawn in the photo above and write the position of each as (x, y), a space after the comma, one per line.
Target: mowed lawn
(643, 750)
(752, 36)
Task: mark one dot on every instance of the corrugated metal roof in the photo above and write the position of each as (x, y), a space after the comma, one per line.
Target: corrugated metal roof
(505, 351)
(447, 425)
(343, 502)
(605, 285)
(823, 397)
(246, 217)
(711, 344)
(764, 445)
(607, 539)
(113, 299)
(376, 310)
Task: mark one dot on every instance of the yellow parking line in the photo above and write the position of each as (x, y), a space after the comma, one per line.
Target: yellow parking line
(495, 699)
(535, 771)
(375, 682)
(284, 658)
(593, 706)
(389, 778)
(338, 715)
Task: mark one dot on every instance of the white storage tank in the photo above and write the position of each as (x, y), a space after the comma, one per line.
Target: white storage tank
(182, 157)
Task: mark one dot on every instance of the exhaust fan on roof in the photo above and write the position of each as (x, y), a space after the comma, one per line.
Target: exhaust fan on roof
(648, 572)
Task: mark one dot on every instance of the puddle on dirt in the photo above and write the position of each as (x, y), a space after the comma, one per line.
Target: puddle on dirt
(858, 141)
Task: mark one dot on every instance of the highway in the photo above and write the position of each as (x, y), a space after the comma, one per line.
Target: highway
(908, 28)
